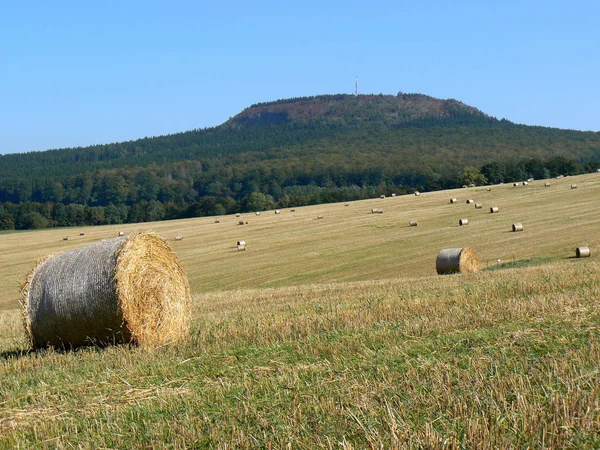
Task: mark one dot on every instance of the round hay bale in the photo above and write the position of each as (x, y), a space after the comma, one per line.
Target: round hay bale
(121, 233)
(241, 242)
(517, 226)
(462, 222)
(489, 189)
(515, 184)
(374, 210)
(470, 200)
(464, 186)
(81, 233)
(524, 183)
(122, 290)
(546, 184)
(393, 195)
(319, 217)
(573, 186)
(241, 222)
(413, 223)
(583, 252)
(453, 200)
(237, 215)
(471, 185)
(179, 237)
(293, 210)
(277, 211)
(382, 196)
(494, 210)
(417, 193)
(217, 221)
(257, 213)
(246, 222)
(346, 204)
(457, 260)
(478, 206)
(241, 248)
(529, 180)
(66, 238)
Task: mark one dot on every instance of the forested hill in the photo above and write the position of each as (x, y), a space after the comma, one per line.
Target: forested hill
(286, 153)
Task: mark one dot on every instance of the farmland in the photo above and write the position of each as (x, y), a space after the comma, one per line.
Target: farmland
(337, 333)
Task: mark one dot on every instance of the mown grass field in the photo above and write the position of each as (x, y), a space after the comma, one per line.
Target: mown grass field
(336, 333)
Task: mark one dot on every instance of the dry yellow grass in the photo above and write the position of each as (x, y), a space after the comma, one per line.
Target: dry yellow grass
(351, 244)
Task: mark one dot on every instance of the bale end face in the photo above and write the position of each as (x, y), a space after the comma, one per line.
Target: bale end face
(583, 252)
(457, 260)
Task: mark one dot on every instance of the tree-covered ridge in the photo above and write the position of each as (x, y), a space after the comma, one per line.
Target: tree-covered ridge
(356, 147)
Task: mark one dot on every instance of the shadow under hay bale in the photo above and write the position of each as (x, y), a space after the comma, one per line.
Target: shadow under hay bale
(457, 260)
(583, 252)
(122, 290)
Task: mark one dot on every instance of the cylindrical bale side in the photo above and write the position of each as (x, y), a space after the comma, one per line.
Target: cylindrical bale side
(469, 201)
(413, 223)
(515, 184)
(121, 233)
(524, 183)
(382, 196)
(217, 221)
(293, 210)
(494, 209)
(573, 186)
(277, 211)
(462, 222)
(546, 184)
(457, 260)
(517, 226)
(241, 248)
(583, 252)
(417, 193)
(121, 290)
(346, 204)
(489, 189)
(374, 210)
(241, 242)
(241, 222)
(179, 237)
(257, 213)
(478, 206)
(237, 215)
(393, 195)
(319, 217)
(453, 200)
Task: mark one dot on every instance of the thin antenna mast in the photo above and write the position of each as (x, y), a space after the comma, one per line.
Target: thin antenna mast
(356, 86)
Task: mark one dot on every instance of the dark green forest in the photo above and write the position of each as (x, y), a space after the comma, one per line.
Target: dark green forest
(286, 153)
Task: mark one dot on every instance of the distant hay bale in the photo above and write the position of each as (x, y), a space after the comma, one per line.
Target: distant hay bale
(453, 200)
(346, 204)
(573, 186)
(457, 260)
(489, 189)
(471, 185)
(417, 193)
(217, 221)
(413, 223)
(374, 210)
(121, 233)
(546, 184)
(293, 210)
(241, 222)
(382, 196)
(464, 186)
(524, 183)
(241, 248)
(518, 226)
(66, 238)
(319, 217)
(81, 233)
(470, 200)
(241, 242)
(393, 195)
(277, 211)
(529, 180)
(515, 184)
(583, 252)
(462, 222)
(179, 237)
(257, 213)
(122, 290)
(478, 206)
(237, 215)
(494, 210)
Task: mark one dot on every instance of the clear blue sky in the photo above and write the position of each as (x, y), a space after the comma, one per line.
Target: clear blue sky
(79, 73)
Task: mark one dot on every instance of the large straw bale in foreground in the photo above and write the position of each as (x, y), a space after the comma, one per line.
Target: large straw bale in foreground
(457, 260)
(121, 290)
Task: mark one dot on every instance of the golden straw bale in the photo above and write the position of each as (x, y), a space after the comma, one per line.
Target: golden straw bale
(457, 260)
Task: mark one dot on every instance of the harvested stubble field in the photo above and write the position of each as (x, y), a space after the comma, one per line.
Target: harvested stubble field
(337, 333)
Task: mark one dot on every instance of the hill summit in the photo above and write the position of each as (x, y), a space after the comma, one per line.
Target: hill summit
(351, 109)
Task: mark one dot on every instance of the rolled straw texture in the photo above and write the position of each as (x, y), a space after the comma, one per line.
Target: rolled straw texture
(123, 290)
(583, 252)
(457, 260)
